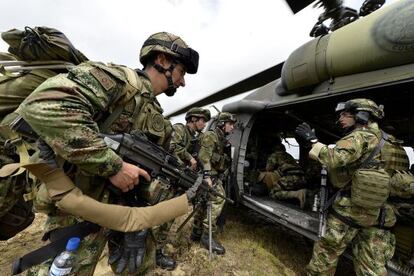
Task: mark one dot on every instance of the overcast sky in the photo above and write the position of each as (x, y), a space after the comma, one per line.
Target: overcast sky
(235, 38)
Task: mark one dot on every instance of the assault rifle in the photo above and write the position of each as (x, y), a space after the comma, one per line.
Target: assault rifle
(135, 148)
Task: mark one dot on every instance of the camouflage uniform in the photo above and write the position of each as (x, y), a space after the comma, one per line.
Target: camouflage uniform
(283, 175)
(65, 110)
(182, 143)
(214, 159)
(182, 146)
(372, 247)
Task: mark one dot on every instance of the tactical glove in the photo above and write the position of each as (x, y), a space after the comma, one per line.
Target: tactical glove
(370, 6)
(305, 132)
(127, 249)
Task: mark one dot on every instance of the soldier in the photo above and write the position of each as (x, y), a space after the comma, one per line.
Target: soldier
(284, 178)
(214, 157)
(361, 217)
(183, 142)
(183, 147)
(68, 112)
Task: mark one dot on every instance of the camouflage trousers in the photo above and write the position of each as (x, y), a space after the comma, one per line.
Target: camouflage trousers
(275, 182)
(89, 252)
(371, 249)
(285, 185)
(200, 223)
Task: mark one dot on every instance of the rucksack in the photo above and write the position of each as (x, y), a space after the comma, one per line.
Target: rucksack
(35, 55)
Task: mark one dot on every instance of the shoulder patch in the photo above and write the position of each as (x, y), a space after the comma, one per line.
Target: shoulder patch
(106, 81)
(344, 143)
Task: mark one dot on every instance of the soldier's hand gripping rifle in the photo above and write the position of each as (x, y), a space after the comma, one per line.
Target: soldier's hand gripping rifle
(136, 149)
(323, 203)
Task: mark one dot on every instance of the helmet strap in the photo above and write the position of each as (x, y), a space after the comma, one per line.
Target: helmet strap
(170, 91)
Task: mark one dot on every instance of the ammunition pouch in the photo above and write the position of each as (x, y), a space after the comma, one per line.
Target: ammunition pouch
(370, 188)
(155, 191)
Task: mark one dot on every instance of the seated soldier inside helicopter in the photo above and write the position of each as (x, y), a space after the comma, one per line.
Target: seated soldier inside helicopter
(283, 178)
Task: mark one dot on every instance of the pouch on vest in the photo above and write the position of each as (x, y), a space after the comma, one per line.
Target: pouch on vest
(370, 188)
(402, 184)
(154, 192)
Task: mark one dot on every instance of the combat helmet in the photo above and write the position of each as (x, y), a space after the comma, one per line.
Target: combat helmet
(362, 108)
(199, 113)
(224, 117)
(172, 45)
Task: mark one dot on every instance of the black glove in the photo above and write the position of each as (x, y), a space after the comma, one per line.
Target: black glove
(127, 249)
(193, 190)
(305, 132)
(370, 6)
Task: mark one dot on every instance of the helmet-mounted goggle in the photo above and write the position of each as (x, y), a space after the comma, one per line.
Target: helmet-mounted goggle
(187, 56)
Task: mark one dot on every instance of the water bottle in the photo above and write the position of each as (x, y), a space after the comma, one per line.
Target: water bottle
(64, 262)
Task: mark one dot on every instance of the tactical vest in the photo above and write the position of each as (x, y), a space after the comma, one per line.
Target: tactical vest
(138, 109)
(221, 157)
(188, 142)
(393, 156)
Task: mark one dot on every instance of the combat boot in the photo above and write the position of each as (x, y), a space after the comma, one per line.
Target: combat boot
(164, 261)
(195, 235)
(215, 246)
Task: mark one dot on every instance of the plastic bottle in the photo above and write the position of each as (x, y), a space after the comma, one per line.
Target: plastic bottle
(64, 262)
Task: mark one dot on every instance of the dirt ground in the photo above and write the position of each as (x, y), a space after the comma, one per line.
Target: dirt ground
(253, 247)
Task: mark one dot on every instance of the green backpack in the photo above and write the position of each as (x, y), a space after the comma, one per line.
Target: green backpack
(35, 55)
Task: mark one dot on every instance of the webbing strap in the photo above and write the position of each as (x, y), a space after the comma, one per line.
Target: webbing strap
(377, 150)
(130, 89)
(50, 250)
(105, 125)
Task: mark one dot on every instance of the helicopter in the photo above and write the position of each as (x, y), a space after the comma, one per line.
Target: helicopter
(369, 54)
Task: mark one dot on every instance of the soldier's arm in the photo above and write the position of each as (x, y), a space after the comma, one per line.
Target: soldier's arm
(346, 151)
(206, 150)
(177, 144)
(62, 114)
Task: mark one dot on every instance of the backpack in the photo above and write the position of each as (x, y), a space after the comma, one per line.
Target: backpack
(35, 55)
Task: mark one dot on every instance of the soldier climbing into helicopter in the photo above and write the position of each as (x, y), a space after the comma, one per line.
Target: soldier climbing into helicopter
(358, 166)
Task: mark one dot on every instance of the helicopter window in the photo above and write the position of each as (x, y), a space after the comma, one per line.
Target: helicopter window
(410, 153)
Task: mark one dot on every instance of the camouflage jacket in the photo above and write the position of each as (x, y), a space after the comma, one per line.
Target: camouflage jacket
(342, 161)
(214, 156)
(283, 163)
(182, 142)
(66, 111)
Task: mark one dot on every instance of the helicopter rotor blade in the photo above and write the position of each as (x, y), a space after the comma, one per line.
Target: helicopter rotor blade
(297, 6)
(240, 87)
